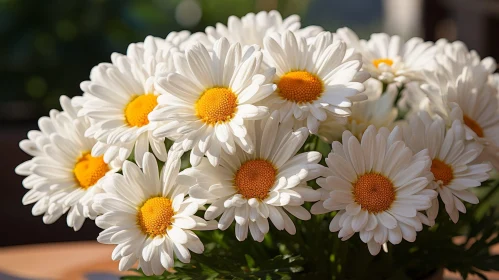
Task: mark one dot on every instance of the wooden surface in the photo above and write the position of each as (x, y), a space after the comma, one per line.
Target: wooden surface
(68, 260)
(81, 260)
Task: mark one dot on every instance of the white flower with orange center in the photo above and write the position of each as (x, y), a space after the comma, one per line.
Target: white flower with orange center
(377, 110)
(452, 157)
(312, 78)
(118, 99)
(210, 98)
(378, 186)
(389, 58)
(148, 217)
(266, 184)
(464, 89)
(251, 29)
(63, 176)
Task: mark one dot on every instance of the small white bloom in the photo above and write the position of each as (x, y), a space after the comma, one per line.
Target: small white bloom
(208, 101)
(313, 78)
(388, 58)
(378, 186)
(455, 56)
(252, 188)
(377, 110)
(147, 216)
(63, 176)
(451, 155)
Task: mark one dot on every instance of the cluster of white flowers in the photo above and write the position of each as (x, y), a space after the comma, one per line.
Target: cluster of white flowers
(409, 122)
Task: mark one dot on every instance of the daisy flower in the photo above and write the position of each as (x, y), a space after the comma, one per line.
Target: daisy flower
(266, 184)
(209, 99)
(118, 99)
(313, 78)
(148, 217)
(388, 58)
(451, 155)
(252, 28)
(63, 176)
(463, 89)
(378, 110)
(378, 186)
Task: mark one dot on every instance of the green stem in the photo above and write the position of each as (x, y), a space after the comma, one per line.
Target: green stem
(399, 95)
(491, 193)
(385, 86)
(313, 142)
(316, 142)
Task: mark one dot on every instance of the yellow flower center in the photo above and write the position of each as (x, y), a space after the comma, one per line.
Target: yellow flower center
(155, 216)
(255, 178)
(386, 61)
(374, 192)
(216, 105)
(473, 125)
(138, 109)
(88, 170)
(300, 87)
(442, 172)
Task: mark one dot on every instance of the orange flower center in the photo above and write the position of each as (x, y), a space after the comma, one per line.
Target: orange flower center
(386, 61)
(300, 87)
(255, 178)
(374, 192)
(138, 109)
(473, 125)
(88, 170)
(216, 105)
(442, 172)
(155, 216)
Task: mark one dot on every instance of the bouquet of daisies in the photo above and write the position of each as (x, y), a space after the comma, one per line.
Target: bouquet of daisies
(274, 151)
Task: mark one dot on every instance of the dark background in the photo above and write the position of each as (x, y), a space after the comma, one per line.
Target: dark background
(48, 47)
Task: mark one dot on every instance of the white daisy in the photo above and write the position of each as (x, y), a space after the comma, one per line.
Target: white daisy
(147, 216)
(462, 88)
(388, 58)
(252, 28)
(208, 100)
(378, 186)
(118, 99)
(451, 155)
(63, 176)
(251, 188)
(378, 110)
(313, 78)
